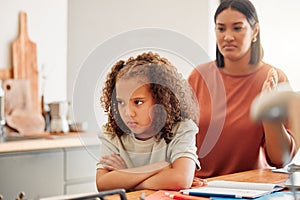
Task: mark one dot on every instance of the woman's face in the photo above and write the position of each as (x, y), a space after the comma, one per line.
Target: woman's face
(234, 34)
(135, 103)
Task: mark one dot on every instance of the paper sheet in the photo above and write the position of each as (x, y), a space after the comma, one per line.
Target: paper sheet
(295, 160)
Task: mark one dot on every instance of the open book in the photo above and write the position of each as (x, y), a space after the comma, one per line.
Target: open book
(233, 189)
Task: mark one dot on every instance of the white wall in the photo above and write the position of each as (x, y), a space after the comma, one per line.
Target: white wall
(47, 27)
(93, 22)
(80, 26)
(67, 38)
(280, 31)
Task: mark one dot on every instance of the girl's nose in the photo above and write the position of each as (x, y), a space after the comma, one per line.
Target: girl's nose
(130, 111)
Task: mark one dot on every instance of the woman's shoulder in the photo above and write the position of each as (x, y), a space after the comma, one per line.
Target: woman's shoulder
(204, 68)
(282, 77)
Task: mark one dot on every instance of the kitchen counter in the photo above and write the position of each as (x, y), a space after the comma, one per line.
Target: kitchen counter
(50, 141)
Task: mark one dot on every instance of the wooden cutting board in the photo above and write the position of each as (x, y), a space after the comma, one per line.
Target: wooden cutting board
(17, 95)
(24, 61)
(18, 107)
(5, 73)
(25, 121)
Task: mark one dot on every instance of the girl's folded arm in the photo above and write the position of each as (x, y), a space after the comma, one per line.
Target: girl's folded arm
(179, 176)
(127, 178)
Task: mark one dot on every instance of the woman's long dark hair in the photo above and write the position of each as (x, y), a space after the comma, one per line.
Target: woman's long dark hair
(246, 8)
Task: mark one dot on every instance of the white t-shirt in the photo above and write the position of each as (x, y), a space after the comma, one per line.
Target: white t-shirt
(138, 153)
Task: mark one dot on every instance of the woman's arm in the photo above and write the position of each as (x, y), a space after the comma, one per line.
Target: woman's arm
(127, 178)
(279, 144)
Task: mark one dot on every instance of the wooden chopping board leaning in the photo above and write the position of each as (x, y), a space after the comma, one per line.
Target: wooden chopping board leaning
(22, 118)
(24, 61)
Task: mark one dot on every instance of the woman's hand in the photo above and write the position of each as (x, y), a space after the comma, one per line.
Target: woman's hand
(199, 182)
(113, 162)
(271, 81)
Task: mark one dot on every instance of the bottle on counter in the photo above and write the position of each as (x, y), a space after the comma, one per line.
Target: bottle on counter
(2, 116)
(46, 114)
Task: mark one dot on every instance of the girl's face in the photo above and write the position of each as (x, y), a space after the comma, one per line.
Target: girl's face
(234, 34)
(135, 102)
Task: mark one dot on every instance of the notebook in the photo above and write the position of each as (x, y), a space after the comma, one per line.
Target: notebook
(273, 196)
(233, 189)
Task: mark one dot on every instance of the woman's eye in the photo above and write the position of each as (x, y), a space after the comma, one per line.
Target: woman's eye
(221, 29)
(237, 28)
(138, 102)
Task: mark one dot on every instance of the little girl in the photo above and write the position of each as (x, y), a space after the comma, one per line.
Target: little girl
(149, 139)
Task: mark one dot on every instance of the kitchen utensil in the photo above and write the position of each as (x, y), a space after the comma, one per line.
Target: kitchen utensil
(58, 113)
(18, 110)
(2, 116)
(17, 95)
(25, 121)
(6, 73)
(24, 61)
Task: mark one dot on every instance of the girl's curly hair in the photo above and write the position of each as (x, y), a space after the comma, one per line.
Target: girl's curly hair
(169, 89)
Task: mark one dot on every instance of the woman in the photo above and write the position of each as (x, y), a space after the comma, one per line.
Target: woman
(228, 140)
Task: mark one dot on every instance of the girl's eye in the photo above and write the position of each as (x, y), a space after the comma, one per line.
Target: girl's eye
(138, 102)
(120, 102)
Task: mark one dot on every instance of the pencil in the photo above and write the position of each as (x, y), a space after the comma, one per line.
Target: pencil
(185, 197)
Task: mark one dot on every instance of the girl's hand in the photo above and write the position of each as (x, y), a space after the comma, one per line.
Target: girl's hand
(199, 182)
(113, 162)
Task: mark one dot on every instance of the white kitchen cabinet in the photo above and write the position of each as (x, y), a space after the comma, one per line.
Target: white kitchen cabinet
(48, 172)
(80, 170)
(37, 173)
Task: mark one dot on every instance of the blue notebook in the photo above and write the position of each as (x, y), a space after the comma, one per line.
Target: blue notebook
(233, 189)
(272, 196)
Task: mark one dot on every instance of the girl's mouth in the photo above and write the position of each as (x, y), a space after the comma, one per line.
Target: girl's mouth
(132, 124)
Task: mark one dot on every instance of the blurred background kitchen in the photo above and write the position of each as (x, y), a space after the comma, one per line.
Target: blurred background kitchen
(66, 32)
